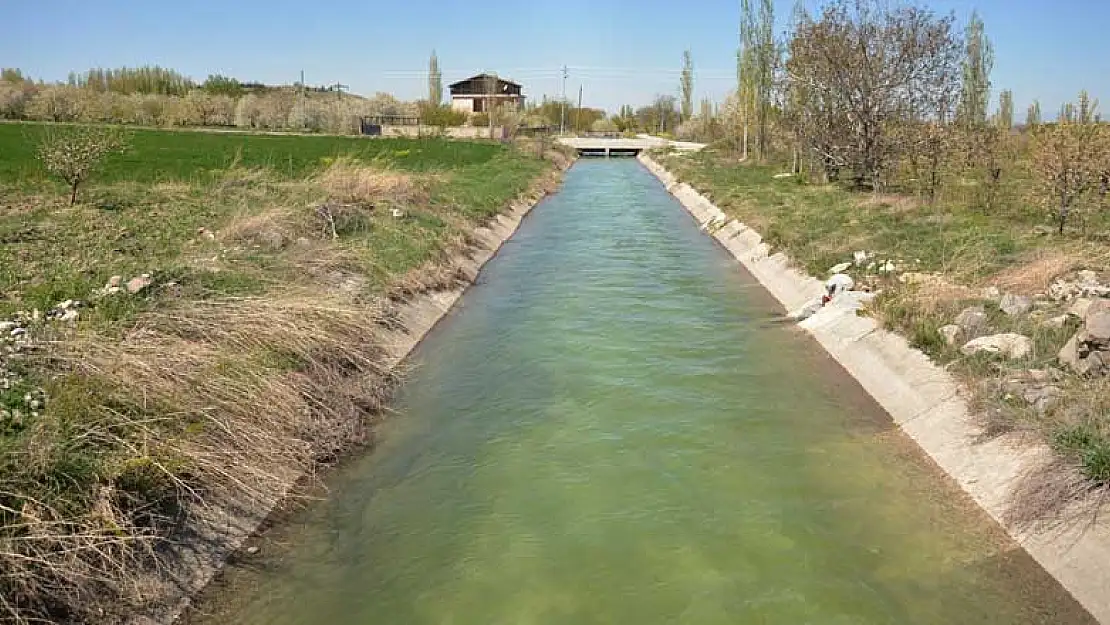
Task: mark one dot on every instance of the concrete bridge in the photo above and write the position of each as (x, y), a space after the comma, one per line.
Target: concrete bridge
(599, 146)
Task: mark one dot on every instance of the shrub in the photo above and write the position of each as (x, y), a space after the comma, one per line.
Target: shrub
(74, 153)
(441, 116)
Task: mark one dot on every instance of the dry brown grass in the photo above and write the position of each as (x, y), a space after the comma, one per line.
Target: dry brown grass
(214, 405)
(349, 181)
(1035, 273)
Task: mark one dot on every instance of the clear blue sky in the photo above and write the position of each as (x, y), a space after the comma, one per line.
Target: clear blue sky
(619, 51)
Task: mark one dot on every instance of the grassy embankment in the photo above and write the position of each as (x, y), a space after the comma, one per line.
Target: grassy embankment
(948, 254)
(274, 266)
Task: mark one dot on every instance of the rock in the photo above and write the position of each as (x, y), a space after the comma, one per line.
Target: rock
(1083, 357)
(400, 213)
(1079, 308)
(951, 333)
(70, 316)
(206, 233)
(112, 290)
(1087, 277)
(115, 281)
(35, 404)
(7, 326)
(841, 268)
(1015, 305)
(1096, 323)
(18, 331)
(252, 550)
(860, 257)
(66, 305)
(972, 319)
(887, 267)
(991, 293)
(134, 285)
(1010, 345)
(1042, 398)
(839, 283)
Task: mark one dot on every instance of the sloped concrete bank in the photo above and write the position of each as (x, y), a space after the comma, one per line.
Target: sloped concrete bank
(172, 595)
(925, 402)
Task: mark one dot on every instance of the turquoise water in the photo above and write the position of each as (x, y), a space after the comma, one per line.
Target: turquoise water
(613, 429)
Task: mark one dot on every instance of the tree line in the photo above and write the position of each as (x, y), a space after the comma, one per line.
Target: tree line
(889, 96)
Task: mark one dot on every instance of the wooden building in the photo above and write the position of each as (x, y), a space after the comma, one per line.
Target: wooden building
(478, 93)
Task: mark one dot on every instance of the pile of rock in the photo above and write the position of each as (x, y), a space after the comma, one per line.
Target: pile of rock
(1036, 387)
(65, 311)
(1088, 352)
(133, 286)
(970, 327)
(1085, 285)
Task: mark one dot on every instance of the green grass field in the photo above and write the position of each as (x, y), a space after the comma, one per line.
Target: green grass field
(163, 156)
(274, 262)
(143, 207)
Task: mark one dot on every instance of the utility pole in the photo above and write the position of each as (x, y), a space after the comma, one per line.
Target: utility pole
(304, 101)
(563, 114)
(339, 90)
(578, 112)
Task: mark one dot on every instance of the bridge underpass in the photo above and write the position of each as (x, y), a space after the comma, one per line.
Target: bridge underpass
(605, 147)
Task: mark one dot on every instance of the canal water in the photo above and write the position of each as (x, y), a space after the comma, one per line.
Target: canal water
(612, 429)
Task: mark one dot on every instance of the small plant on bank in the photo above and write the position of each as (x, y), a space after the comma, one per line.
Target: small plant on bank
(74, 153)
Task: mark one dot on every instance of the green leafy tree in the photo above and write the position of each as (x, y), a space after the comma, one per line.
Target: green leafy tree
(12, 75)
(977, 64)
(222, 85)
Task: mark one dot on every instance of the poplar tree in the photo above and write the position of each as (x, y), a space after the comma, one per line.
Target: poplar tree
(767, 59)
(435, 81)
(1006, 109)
(747, 66)
(977, 65)
(1033, 115)
(687, 85)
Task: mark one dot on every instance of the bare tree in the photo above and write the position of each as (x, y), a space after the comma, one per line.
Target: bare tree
(1068, 157)
(687, 81)
(865, 68)
(74, 153)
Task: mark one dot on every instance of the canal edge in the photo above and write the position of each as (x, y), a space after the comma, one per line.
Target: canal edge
(922, 399)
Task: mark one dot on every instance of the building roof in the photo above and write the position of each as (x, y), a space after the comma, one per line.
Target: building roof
(481, 77)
